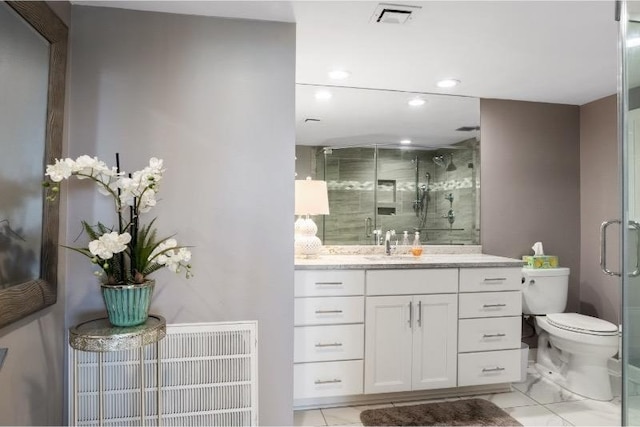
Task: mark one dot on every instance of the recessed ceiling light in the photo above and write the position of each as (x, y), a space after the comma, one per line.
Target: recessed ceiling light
(633, 42)
(448, 83)
(416, 102)
(339, 74)
(405, 142)
(323, 95)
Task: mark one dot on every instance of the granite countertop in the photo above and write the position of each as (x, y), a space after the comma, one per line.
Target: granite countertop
(429, 259)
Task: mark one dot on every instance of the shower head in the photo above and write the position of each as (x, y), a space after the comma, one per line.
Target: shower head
(451, 167)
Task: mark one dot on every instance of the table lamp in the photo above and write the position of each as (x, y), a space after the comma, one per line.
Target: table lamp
(311, 199)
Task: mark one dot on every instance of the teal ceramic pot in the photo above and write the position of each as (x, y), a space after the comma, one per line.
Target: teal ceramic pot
(128, 305)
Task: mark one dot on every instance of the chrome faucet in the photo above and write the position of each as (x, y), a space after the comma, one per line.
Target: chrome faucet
(387, 241)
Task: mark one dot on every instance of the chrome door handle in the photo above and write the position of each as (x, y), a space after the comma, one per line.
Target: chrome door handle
(410, 314)
(603, 247)
(496, 369)
(499, 335)
(419, 313)
(633, 225)
(493, 305)
(328, 283)
(328, 311)
(335, 344)
(334, 381)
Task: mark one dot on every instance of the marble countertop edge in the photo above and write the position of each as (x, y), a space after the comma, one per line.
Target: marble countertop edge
(402, 261)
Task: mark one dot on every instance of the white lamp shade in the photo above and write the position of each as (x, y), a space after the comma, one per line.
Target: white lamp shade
(311, 197)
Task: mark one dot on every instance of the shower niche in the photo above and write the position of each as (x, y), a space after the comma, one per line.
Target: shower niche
(373, 189)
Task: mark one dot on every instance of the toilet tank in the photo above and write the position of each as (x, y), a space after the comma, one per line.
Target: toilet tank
(544, 290)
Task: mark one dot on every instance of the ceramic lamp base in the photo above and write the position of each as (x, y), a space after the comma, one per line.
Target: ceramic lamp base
(307, 244)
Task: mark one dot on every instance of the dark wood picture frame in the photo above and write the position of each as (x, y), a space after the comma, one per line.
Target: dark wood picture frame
(25, 298)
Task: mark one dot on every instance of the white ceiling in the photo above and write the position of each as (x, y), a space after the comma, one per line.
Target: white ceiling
(544, 51)
(364, 117)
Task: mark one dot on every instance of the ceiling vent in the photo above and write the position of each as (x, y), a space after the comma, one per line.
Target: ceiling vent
(387, 13)
(468, 128)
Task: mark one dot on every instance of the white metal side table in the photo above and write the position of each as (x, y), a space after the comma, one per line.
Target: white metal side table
(99, 336)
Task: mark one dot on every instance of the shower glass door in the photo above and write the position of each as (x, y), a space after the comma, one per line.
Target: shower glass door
(630, 130)
(350, 177)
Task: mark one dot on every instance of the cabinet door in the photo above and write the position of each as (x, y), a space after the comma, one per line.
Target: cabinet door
(435, 341)
(388, 337)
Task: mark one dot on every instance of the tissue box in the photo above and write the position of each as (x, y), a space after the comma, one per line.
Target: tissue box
(540, 261)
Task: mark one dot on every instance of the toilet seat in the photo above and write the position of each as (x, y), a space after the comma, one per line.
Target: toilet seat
(582, 324)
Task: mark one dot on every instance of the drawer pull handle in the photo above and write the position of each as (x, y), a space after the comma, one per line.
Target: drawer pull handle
(494, 335)
(334, 381)
(335, 344)
(328, 311)
(493, 305)
(328, 283)
(496, 369)
(495, 279)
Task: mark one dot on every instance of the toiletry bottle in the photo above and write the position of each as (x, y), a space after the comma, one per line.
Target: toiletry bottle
(416, 248)
(405, 239)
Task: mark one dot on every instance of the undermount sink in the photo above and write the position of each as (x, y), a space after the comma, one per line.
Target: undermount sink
(397, 257)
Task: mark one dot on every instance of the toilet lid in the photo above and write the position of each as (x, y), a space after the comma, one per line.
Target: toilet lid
(581, 323)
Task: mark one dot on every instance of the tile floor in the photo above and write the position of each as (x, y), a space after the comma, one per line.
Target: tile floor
(535, 402)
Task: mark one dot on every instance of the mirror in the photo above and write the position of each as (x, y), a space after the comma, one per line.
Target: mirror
(33, 56)
(358, 141)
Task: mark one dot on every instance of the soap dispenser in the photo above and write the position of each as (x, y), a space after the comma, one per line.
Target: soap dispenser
(416, 248)
(405, 239)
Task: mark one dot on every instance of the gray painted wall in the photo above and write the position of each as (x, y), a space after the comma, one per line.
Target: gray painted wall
(31, 379)
(599, 201)
(530, 183)
(215, 99)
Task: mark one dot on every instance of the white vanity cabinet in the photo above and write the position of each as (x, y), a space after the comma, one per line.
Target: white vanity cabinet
(328, 333)
(411, 330)
(379, 330)
(489, 326)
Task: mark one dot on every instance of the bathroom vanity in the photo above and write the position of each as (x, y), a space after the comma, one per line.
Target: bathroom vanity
(440, 324)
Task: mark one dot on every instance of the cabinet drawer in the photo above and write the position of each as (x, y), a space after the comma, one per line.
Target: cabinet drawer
(330, 310)
(327, 379)
(324, 343)
(493, 333)
(313, 283)
(412, 282)
(489, 367)
(490, 279)
(490, 304)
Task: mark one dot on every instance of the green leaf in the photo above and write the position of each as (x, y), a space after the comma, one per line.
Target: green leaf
(151, 268)
(83, 251)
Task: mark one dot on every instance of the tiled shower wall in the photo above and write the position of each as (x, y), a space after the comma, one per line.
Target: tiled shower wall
(354, 211)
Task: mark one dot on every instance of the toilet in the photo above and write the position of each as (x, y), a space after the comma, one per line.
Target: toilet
(573, 349)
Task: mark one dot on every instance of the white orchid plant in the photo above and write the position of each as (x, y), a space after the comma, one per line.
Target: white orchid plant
(133, 251)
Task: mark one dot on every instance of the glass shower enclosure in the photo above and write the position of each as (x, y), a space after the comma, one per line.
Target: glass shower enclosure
(373, 189)
(629, 125)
